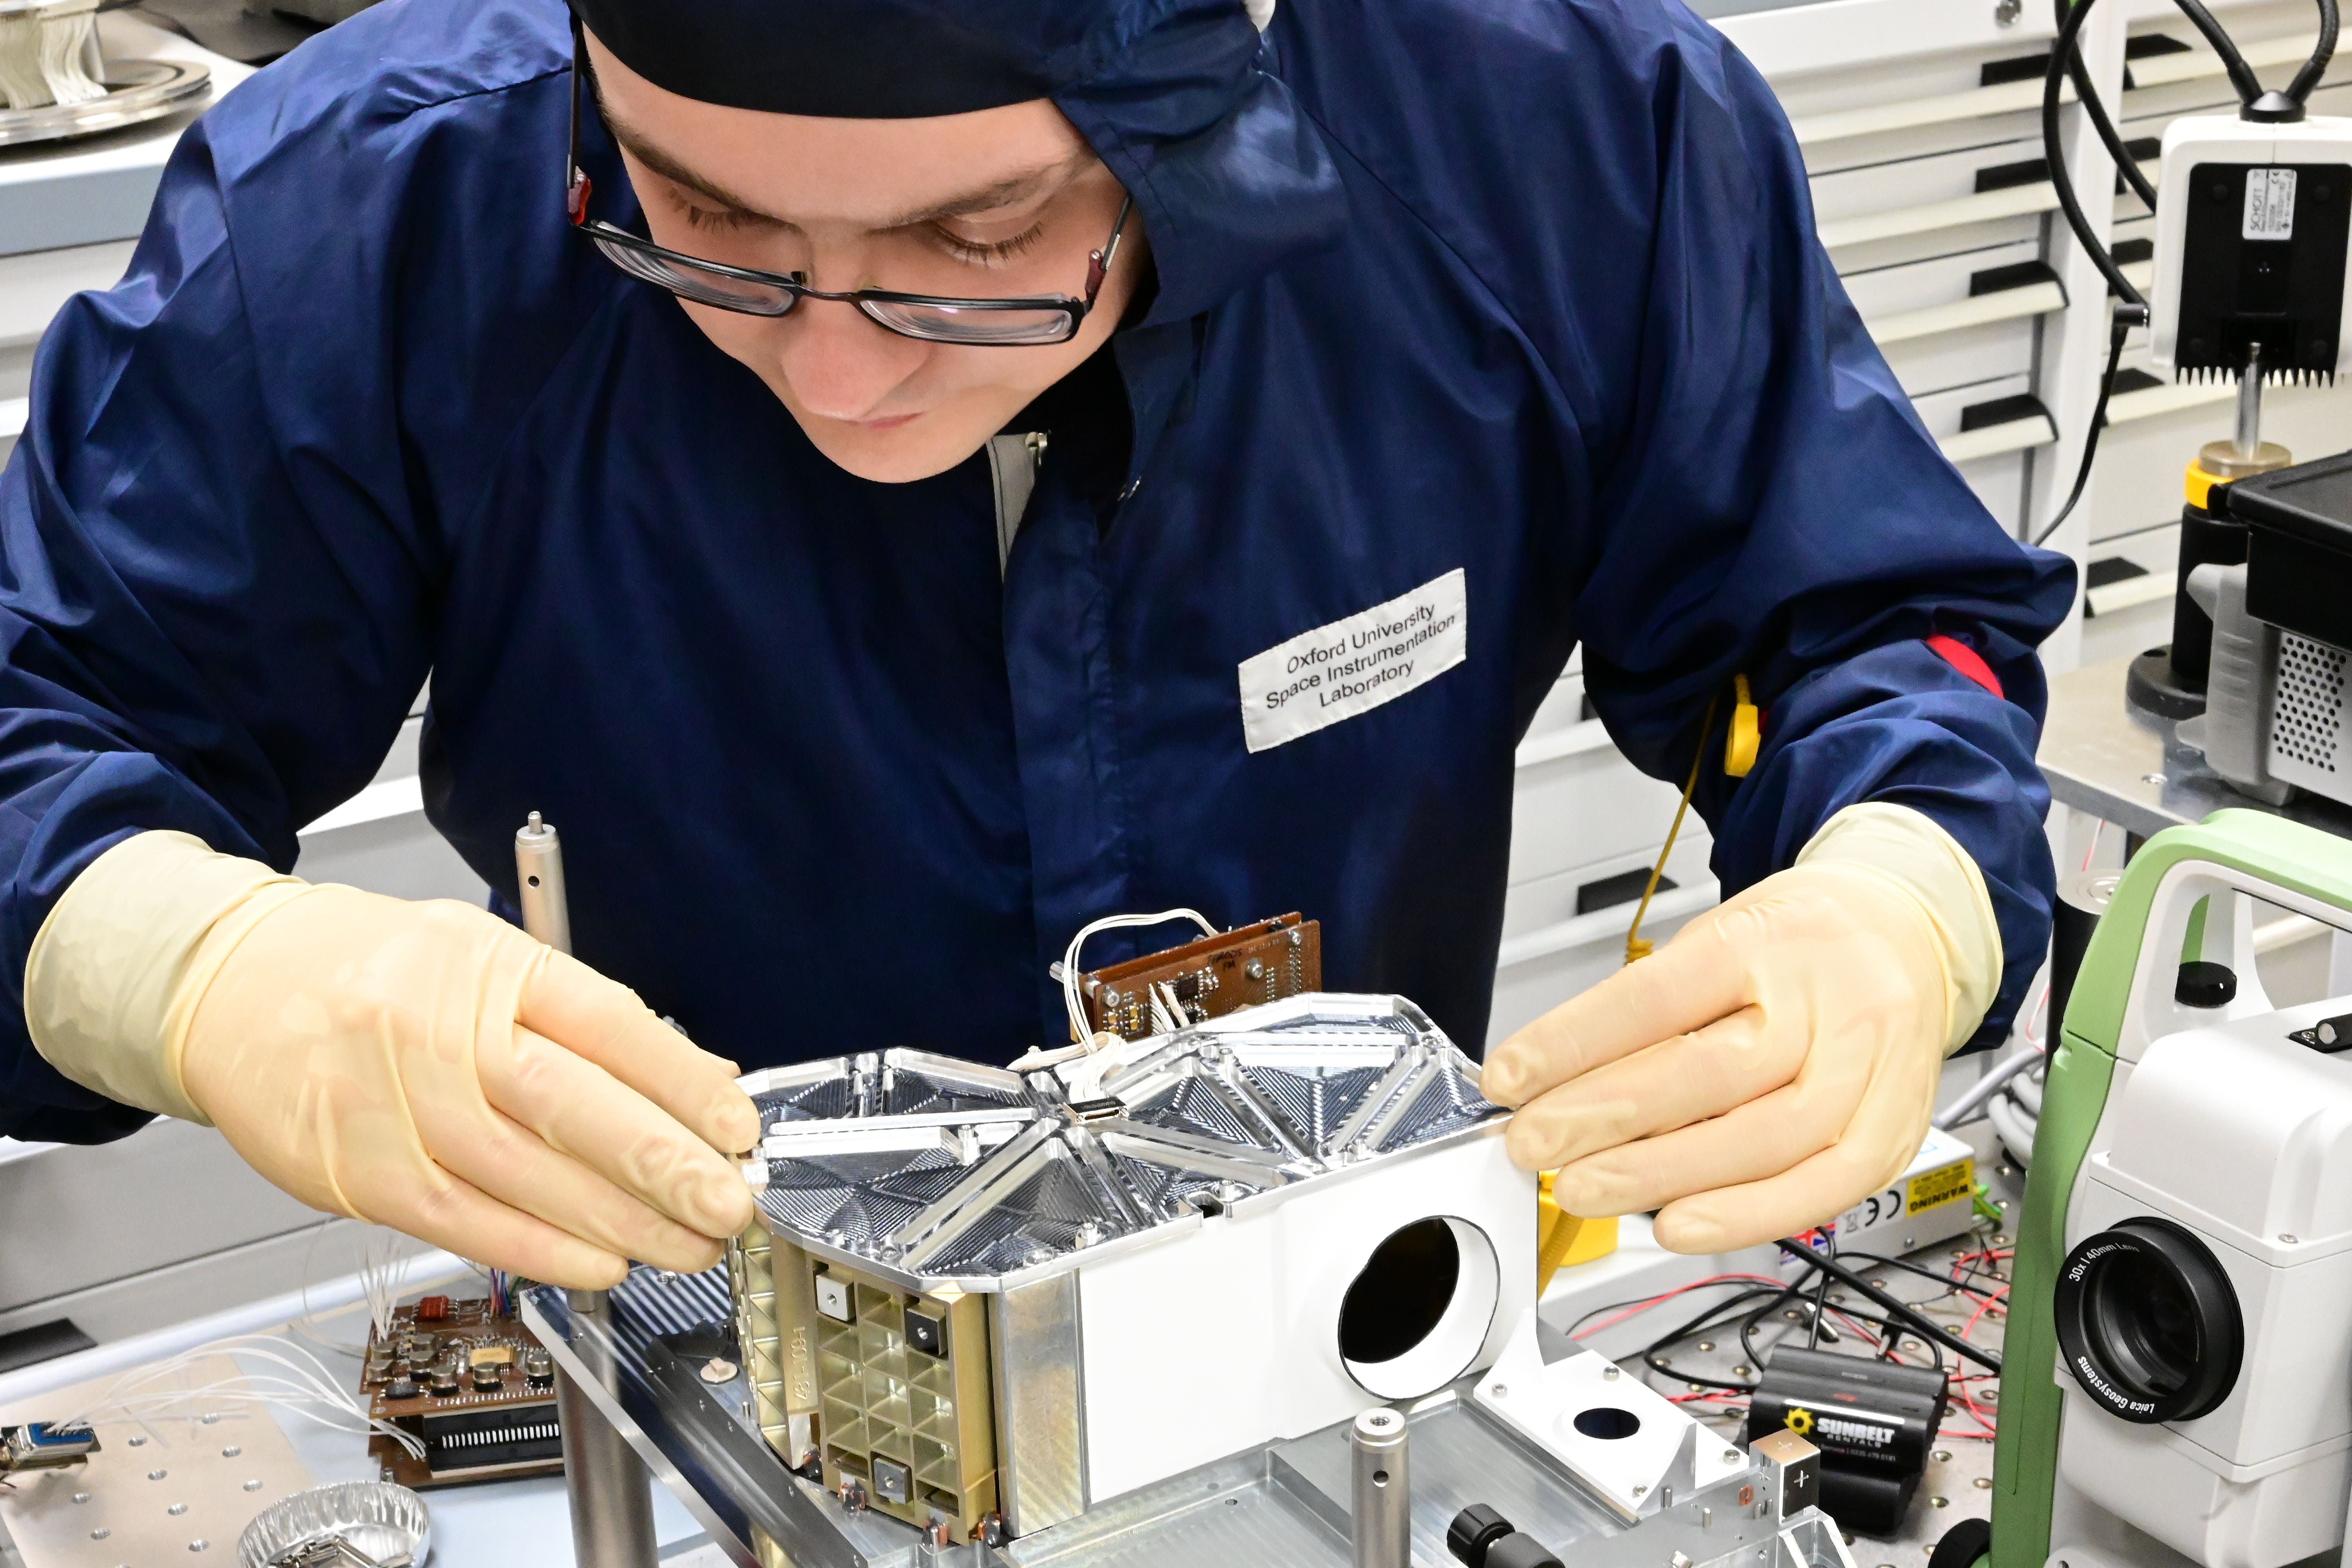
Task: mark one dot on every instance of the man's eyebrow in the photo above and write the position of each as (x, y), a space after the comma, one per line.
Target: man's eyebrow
(670, 169)
(1018, 186)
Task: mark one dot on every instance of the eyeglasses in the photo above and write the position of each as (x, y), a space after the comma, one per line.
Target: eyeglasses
(1023, 322)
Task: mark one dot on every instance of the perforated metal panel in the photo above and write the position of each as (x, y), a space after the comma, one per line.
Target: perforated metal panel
(2310, 716)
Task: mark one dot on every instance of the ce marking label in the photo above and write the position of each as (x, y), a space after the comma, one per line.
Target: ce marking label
(1887, 1204)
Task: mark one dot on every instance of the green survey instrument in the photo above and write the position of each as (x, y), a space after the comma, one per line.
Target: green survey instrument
(2177, 1382)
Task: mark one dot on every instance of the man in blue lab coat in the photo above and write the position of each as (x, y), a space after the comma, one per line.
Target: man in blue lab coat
(897, 479)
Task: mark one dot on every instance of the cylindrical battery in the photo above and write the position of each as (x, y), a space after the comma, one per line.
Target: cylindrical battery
(1383, 1514)
(2083, 897)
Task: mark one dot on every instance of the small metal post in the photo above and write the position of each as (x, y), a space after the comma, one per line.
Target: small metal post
(2249, 440)
(1382, 1502)
(610, 1493)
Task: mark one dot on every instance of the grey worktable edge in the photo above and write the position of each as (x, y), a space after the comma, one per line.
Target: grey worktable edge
(2102, 756)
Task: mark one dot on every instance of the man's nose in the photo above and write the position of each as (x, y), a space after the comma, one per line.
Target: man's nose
(842, 366)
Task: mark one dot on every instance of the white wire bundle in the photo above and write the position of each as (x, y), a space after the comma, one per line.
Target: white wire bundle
(1079, 1028)
(45, 45)
(382, 1267)
(303, 1387)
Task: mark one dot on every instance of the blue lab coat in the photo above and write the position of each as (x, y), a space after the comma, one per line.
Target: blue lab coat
(1527, 291)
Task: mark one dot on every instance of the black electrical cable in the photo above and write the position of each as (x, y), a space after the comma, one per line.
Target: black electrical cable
(2313, 68)
(1928, 1328)
(1946, 1280)
(2241, 75)
(2053, 149)
(1650, 1354)
(2119, 328)
(2088, 96)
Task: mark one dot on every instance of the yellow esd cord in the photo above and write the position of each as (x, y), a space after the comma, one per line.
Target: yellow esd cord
(1739, 747)
(1563, 1239)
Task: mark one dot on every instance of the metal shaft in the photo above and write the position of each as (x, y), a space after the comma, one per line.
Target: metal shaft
(2249, 440)
(539, 874)
(1382, 1510)
(610, 1493)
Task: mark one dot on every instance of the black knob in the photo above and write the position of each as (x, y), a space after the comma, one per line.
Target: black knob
(2203, 984)
(1473, 1530)
(1482, 1538)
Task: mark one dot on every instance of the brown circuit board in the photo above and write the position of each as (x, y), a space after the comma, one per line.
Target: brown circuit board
(1244, 967)
(474, 1384)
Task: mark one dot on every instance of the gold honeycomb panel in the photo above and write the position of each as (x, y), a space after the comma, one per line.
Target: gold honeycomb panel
(915, 1430)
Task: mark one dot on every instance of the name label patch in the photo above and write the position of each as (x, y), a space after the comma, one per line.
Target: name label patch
(1353, 665)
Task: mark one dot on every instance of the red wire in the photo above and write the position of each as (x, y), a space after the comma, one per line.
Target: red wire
(1638, 1307)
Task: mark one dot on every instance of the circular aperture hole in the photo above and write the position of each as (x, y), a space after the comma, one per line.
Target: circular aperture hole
(1607, 1423)
(1417, 1314)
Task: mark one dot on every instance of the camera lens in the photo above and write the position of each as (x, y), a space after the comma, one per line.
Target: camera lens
(2149, 1321)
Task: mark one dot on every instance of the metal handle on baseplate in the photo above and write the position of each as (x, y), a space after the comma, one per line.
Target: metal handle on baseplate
(610, 1493)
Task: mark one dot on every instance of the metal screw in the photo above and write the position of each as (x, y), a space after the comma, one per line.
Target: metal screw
(82, 1496)
(1297, 937)
(1740, 1372)
(157, 1475)
(138, 1442)
(2286, 1238)
(1943, 1456)
(100, 1534)
(1639, 1490)
(176, 1510)
(1698, 1388)
(1707, 1344)
(209, 1416)
(1984, 1483)
(254, 1485)
(1609, 1375)
(1731, 1456)
(1939, 1502)
(2151, 778)
(1255, 970)
(200, 1544)
(2006, 12)
(1498, 1390)
(231, 1452)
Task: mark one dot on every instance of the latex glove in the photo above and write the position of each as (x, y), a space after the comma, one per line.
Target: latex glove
(1776, 1061)
(422, 1065)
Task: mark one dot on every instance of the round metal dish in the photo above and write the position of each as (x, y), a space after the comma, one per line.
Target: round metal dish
(137, 91)
(390, 1524)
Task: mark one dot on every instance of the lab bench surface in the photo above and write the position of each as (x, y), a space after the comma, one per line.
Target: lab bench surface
(2130, 768)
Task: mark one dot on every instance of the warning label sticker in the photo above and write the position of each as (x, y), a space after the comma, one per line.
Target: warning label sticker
(2269, 205)
(1932, 1188)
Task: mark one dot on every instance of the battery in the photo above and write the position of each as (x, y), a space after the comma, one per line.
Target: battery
(1873, 1422)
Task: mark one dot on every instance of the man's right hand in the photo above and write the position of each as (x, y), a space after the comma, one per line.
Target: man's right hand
(422, 1065)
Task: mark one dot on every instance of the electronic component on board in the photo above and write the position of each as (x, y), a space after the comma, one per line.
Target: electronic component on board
(473, 1383)
(1245, 967)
